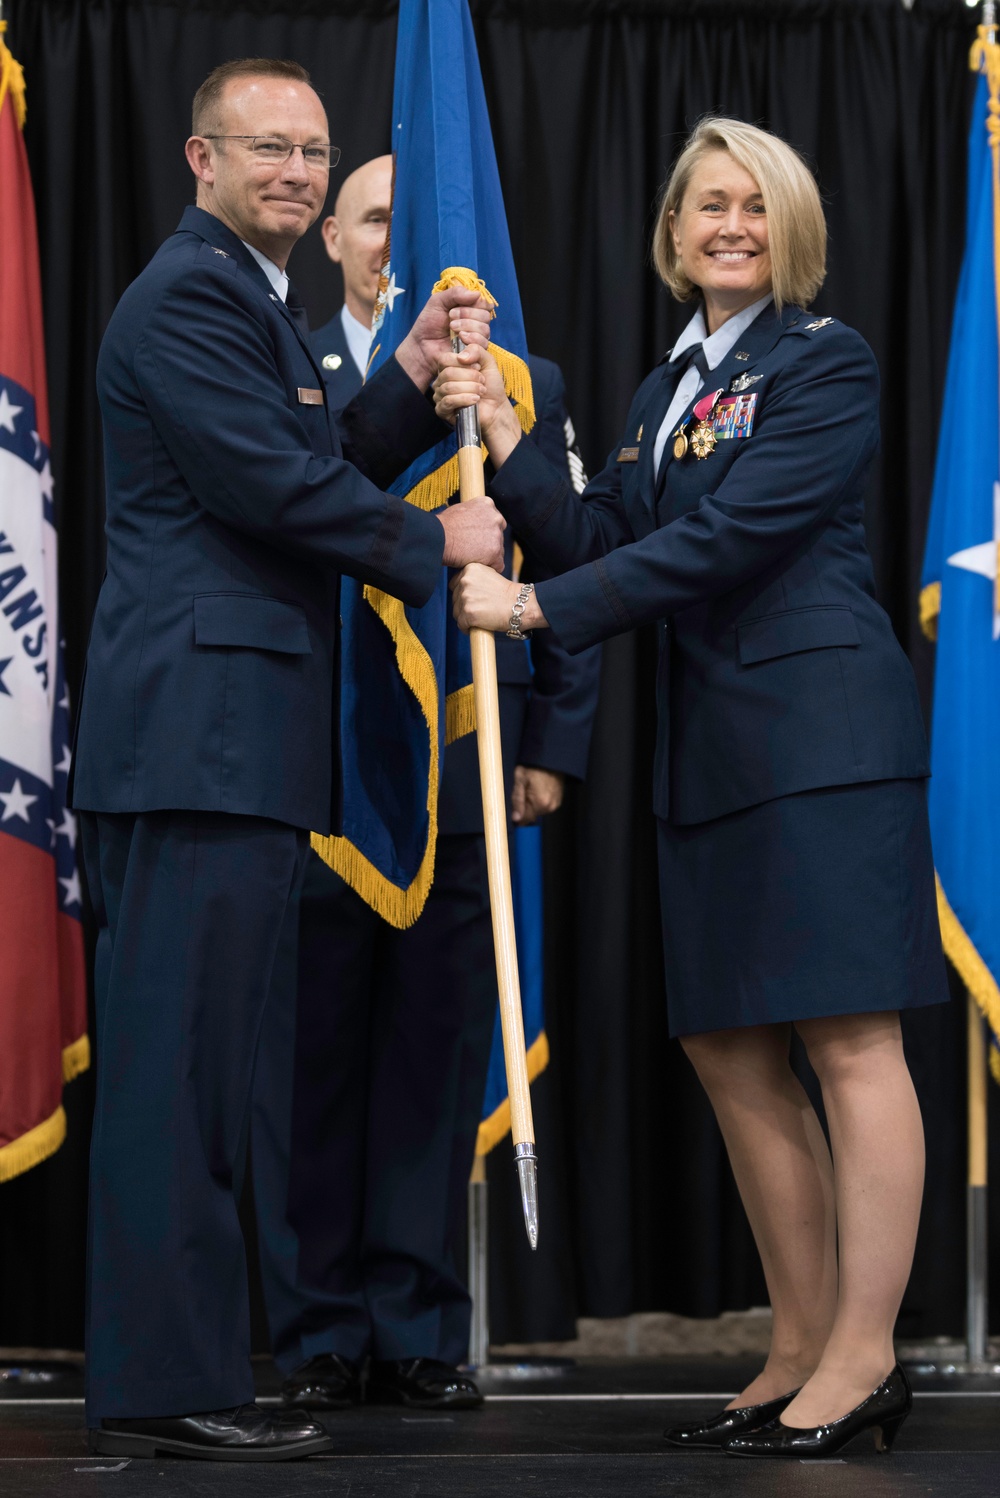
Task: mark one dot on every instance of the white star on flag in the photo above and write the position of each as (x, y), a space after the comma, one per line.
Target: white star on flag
(392, 291)
(8, 411)
(67, 828)
(72, 888)
(47, 483)
(63, 767)
(983, 559)
(16, 803)
(38, 445)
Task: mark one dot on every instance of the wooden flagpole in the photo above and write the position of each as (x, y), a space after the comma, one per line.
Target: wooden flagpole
(485, 693)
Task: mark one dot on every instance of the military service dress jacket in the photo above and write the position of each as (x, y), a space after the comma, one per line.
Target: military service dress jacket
(234, 501)
(778, 670)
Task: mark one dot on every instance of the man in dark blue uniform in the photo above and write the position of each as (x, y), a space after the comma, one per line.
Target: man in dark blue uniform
(207, 742)
(366, 1111)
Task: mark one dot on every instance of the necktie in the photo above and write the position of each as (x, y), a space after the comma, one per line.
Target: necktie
(694, 359)
(294, 304)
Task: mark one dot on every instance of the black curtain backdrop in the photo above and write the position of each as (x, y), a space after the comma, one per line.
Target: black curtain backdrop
(589, 104)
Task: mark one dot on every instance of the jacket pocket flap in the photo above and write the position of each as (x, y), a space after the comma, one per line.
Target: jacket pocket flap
(249, 620)
(795, 630)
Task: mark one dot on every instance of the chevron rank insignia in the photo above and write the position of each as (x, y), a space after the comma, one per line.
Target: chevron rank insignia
(821, 322)
(743, 382)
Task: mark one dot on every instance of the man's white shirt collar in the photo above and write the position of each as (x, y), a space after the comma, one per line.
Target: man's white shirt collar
(277, 277)
(359, 338)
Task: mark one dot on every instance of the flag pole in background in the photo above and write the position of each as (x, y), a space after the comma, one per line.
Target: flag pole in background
(960, 610)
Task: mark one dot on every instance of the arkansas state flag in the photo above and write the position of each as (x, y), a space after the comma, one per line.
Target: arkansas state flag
(43, 1010)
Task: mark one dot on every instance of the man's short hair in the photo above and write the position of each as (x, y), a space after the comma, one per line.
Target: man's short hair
(206, 109)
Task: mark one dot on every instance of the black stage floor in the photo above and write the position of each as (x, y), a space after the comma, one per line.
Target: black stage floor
(594, 1429)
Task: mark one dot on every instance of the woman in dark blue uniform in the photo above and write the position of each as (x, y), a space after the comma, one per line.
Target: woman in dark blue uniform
(796, 876)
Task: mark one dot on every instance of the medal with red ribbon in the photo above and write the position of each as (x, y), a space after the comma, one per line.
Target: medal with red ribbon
(703, 437)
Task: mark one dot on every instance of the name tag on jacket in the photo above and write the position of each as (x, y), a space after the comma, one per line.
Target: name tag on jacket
(310, 397)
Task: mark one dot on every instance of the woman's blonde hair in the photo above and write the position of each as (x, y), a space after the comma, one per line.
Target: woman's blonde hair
(795, 222)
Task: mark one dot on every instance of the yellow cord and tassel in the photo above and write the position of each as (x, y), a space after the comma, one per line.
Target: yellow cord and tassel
(12, 80)
(514, 371)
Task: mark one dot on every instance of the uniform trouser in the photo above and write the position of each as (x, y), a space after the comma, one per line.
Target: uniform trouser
(192, 909)
(366, 1108)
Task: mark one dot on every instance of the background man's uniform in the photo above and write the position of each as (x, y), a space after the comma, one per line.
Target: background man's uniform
(206, 751)
(366, 1110)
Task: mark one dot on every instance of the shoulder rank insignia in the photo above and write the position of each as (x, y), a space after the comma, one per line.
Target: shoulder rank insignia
(217, 251)
(743, 382)
(821, 322)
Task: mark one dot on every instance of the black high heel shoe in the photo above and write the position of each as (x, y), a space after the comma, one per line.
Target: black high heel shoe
(728, 1423)
(882, 1413)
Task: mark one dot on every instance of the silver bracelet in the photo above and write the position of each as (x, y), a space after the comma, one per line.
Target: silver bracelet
(514, 630)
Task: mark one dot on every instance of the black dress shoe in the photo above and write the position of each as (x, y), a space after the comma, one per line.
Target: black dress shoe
(423, 1382)
(727, 1423)
(326, 1382)
(243, 1434)
(882, 1413)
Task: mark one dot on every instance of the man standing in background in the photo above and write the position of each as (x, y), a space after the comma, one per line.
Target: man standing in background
(365, 1118)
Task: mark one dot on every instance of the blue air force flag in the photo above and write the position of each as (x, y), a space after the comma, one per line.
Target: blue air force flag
(960, 602)
(407, 672)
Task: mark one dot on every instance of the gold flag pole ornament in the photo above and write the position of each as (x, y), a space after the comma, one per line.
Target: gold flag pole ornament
(487, 702)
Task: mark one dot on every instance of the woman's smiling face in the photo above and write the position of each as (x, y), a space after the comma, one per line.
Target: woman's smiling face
(720, 236)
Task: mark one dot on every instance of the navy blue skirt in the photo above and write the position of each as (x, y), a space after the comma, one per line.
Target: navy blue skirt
(815, 904)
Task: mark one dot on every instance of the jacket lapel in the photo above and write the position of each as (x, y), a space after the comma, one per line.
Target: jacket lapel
(208, 227)
(652, 419)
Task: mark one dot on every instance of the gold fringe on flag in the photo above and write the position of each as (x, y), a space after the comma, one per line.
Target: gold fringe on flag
(497, 1126)
(75, 1058)
(400, 907)
(459, 714)
(12, 80)
(971, 969)
(930, 608)
(34, 1147)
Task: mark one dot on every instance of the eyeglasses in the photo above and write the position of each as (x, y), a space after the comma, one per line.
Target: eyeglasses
(276, 150)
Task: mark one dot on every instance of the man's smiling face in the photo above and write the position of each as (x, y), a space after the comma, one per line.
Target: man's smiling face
(268, 204)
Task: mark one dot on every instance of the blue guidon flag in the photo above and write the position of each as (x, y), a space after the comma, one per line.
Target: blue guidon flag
(43, 996)
(960, 596)
(407, 673)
